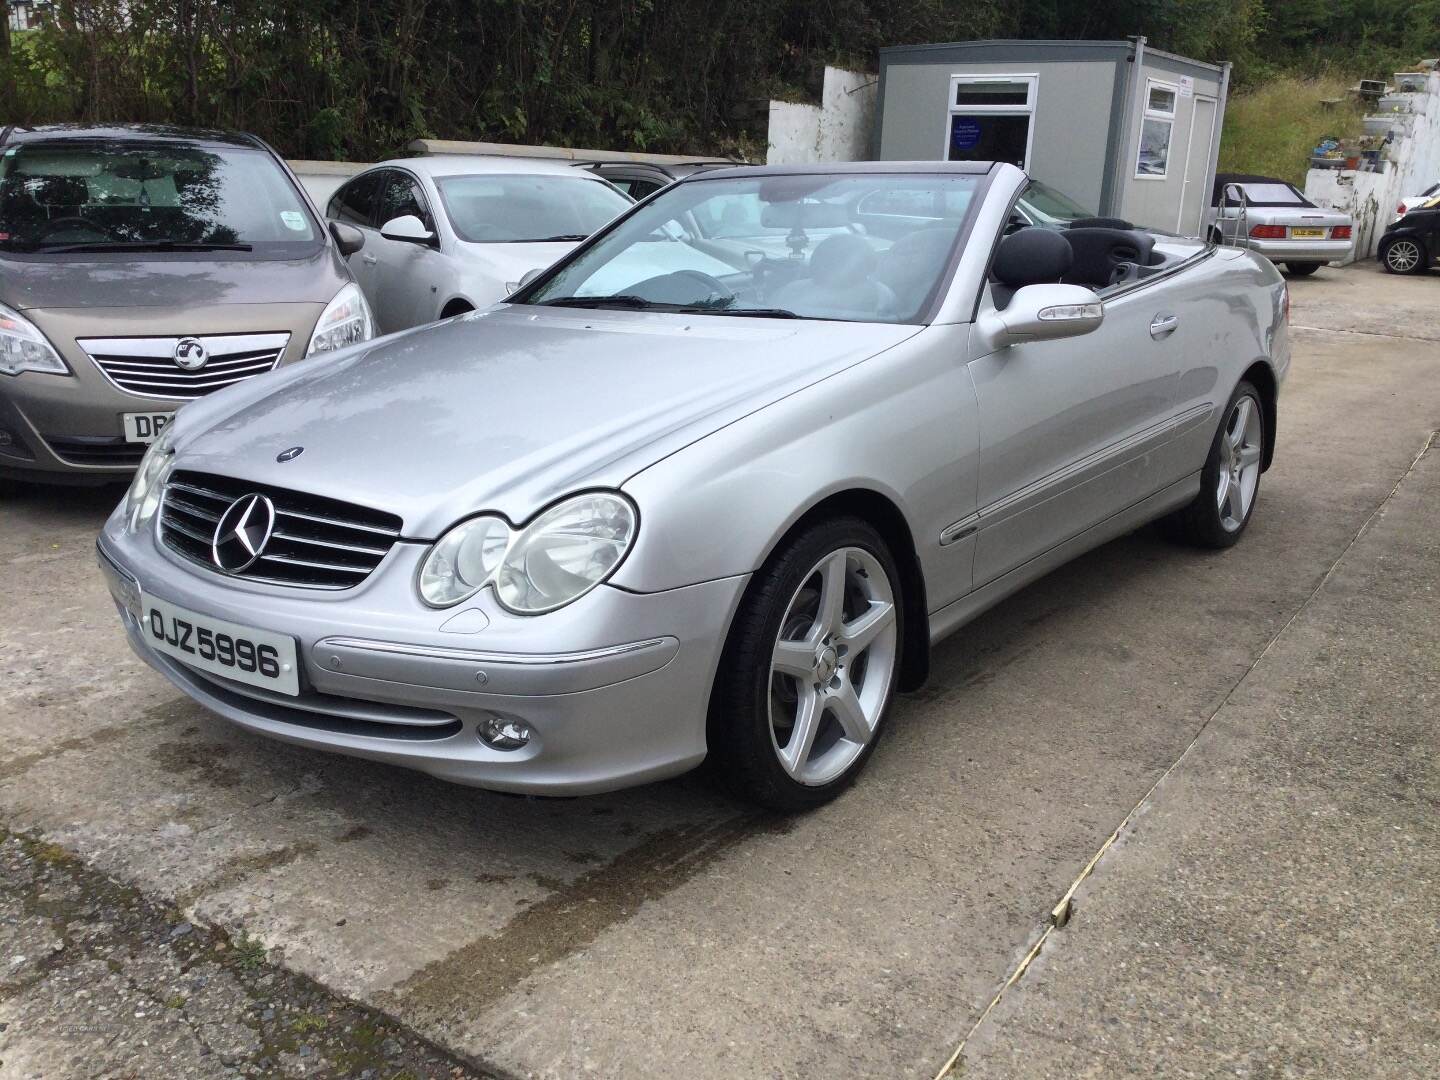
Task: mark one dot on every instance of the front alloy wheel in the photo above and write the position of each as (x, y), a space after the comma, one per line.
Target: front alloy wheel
(831, 669)
(809, 669)
(1403, 256)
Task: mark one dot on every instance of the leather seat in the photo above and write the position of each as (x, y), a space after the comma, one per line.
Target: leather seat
(1105, 256)
(840, 283)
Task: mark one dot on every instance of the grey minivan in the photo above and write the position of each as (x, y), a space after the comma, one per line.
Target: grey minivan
(142, 267)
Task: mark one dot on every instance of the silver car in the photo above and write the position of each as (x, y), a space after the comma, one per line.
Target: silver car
(452, 233)
(1274, 218)
(647, 511)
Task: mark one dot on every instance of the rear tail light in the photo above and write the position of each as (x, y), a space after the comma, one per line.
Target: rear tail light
(1400, 210)
(1268, 232)
(1340, 232)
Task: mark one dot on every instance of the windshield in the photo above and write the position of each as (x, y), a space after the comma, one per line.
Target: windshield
(518, 209)
(860, 248)
(141, 196)
(1046, 206)
(1272, 195)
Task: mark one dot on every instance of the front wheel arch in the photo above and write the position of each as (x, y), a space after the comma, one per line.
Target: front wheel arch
(457, 305)
(886, 518)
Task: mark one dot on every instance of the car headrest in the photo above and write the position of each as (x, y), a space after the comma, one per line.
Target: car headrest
(1105, 256)
(841, 260)
(1032, 256)
(1101, 223)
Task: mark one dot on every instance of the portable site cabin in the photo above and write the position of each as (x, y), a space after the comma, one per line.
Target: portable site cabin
(1124, 129)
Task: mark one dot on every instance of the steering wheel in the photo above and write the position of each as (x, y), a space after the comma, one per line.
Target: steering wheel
(679, 287)
(717, 288)
(73, 221)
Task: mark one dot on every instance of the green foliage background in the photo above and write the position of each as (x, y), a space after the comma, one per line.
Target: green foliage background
(322, 78)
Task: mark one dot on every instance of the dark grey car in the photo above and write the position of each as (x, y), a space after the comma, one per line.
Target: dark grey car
(143, 267)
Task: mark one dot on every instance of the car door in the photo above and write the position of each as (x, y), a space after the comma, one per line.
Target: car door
(354, 204)
(1069, 429)
(407, 275)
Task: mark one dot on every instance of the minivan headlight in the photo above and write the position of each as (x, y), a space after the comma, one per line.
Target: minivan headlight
(345, 321)
(143, 497)
(553, 561)
(24, 348)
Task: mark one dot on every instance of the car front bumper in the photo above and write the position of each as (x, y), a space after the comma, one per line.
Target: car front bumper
(614, 687)
(70, 428)
(1320, 251)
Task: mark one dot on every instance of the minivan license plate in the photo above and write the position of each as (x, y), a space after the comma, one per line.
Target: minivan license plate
(229, 650)
(146, 427)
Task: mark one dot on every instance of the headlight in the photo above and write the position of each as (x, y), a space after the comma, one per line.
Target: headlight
(556, 559)
(345, 321)
(144, 494)
(24, 348)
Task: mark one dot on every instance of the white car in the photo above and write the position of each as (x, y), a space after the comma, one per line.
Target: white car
(451, 233)
(1413, 201)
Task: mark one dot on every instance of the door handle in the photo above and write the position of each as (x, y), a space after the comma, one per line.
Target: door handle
(1164, 326)
(369, 260)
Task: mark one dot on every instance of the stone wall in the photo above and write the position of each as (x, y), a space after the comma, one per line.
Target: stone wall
(1412, 165)
(838, 129)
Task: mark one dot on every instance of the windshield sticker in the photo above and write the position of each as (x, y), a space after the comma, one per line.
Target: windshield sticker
(293, 220)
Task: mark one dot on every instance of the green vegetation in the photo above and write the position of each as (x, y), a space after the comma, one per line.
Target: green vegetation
(1271, 128)
(336, 78)
(249, 952)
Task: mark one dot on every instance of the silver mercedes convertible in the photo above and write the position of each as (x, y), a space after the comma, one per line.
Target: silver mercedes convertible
(707, 488)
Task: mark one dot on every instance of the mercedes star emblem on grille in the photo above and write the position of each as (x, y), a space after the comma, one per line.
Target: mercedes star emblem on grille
(190, 354)
(242, 533)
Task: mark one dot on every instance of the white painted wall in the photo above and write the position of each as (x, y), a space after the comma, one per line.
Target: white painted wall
(1371, 198)
(321, 178)
(838, 129)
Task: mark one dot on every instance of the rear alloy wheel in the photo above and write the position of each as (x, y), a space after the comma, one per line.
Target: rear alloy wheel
(1404, 255)
(810, 669)
(1230, 480)
(1302, 269)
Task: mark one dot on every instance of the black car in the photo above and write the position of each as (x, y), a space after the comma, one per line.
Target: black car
(641, 178)
(1410, 245)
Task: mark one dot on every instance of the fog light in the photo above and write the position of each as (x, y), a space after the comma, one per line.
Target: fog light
(14, 446)
(504, 734)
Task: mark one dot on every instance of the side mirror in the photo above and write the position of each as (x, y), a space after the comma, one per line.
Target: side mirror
(347, 238)
(1042, 313)
(529, 276)
(408, 229)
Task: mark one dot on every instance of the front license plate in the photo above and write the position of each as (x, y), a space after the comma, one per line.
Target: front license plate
(1307, 234)
(242, 653)
(145, 427)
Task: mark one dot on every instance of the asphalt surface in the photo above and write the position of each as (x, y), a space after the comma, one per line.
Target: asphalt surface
(670, 931)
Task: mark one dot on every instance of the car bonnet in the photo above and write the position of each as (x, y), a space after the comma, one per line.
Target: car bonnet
(508, 409)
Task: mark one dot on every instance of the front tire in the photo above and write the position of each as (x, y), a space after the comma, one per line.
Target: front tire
(1302, 269)
(1230, 480)
(809, 669)
(1404, 255)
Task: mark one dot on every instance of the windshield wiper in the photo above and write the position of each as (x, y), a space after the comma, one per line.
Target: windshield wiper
(620, 300)
(639, 303)
(561, 238)
(753, 312)
(139, 245)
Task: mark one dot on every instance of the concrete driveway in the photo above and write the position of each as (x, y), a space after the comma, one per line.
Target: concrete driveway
(668, 931)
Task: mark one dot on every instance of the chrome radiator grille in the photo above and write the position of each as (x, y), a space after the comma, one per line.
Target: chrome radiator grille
(316, 542)
(147, 366)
